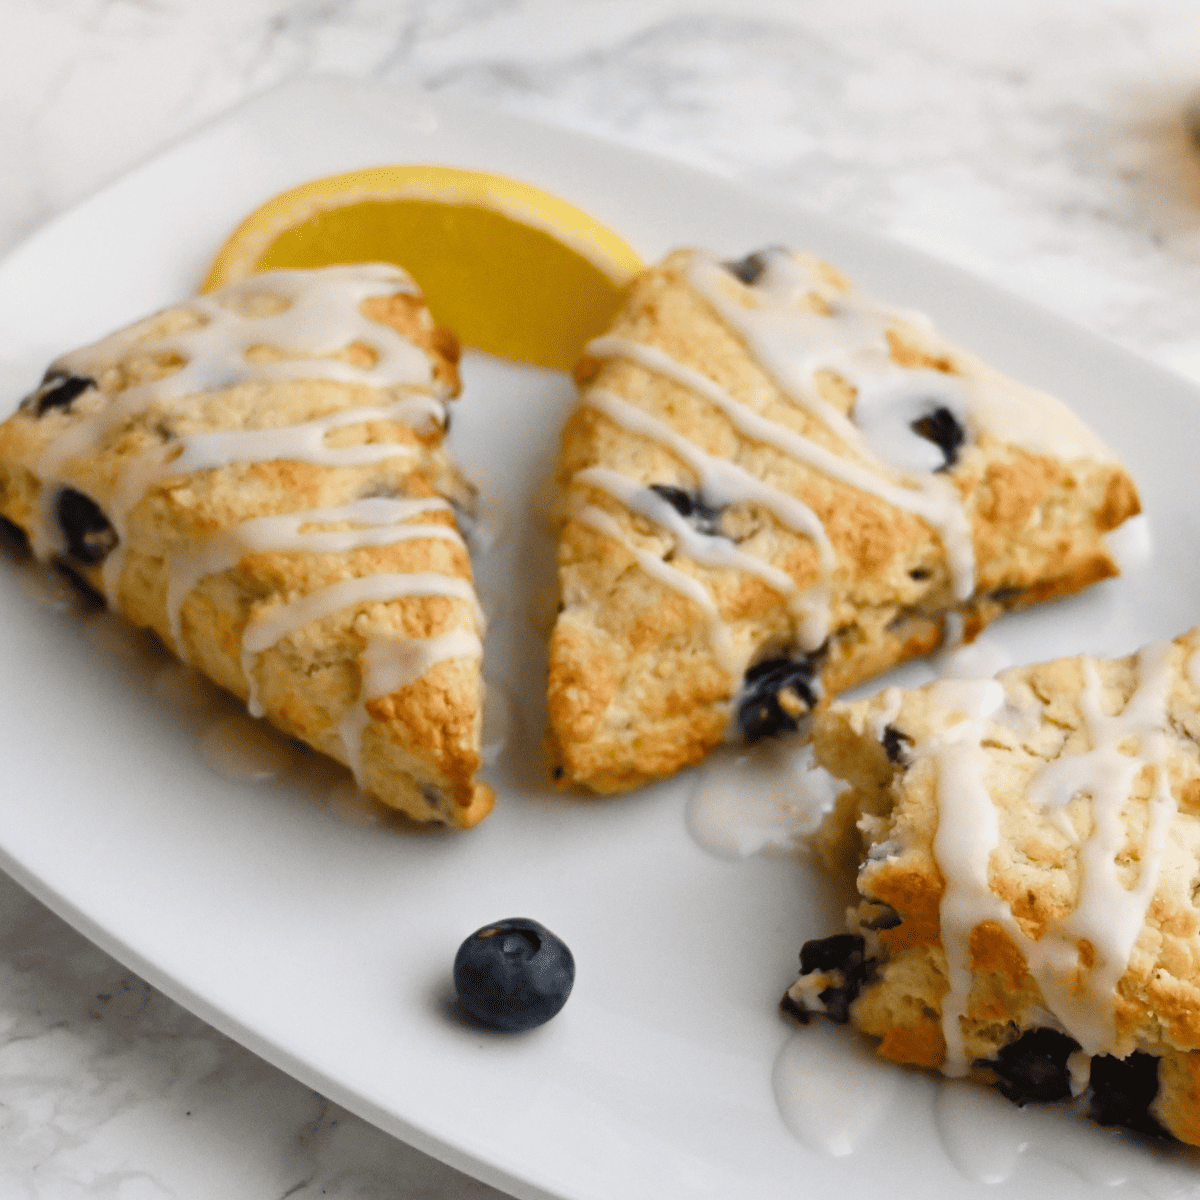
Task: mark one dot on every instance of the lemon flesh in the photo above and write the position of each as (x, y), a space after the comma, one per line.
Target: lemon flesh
(510, 269)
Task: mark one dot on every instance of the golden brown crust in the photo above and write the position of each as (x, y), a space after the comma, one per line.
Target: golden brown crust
(420, 744)
(636, 687)
(884, 830)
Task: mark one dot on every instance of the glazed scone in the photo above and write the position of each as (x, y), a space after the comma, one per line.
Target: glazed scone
(1026, 853)
(258, 475)
(775, 487)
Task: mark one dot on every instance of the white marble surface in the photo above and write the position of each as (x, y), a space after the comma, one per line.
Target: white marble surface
(1039, 143)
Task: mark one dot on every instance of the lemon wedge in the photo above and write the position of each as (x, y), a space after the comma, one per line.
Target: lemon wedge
(509, 267)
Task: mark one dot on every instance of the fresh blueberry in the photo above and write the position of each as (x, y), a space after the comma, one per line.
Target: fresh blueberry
(513, 975)
(885, 917)
(760, 711)
(1033, 1069)
(691, 507)
(90, 597)
(1123, 1090)
(13, 534)
(895, 743)
(942, 428)
(57, 391)
(89, 535)
(843, 953)
(751, 268)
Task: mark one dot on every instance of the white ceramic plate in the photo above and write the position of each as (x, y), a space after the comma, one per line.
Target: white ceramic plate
(324, 943)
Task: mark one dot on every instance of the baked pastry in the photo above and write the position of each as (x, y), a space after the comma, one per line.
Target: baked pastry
(259, 476)
(1026, 852)
(775, 487)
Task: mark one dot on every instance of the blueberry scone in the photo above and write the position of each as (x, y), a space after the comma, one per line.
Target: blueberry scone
(1026, 852)
(259, 476)
(775, 487)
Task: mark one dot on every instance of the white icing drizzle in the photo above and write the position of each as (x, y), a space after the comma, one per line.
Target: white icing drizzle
(966, 835)
(793, 344)
(377, 521)
(847, 336)
(731, 658)
(316, 317)
(930, 497)
(264, 630)
(711, 551)
(1107, 915)
(321, 319)
(389, 665)
(725, 483)
(722, 481)
(303, 443)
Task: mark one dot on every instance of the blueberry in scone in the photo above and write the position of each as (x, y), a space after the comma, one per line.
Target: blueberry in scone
(775, 487)
(1033, 842)
(259, 476)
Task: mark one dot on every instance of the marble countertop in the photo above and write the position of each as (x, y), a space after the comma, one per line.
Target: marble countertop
(1041, 144)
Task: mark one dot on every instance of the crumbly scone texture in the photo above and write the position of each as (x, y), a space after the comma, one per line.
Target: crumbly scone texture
(420, 744)
(891, 750)
(636, 689)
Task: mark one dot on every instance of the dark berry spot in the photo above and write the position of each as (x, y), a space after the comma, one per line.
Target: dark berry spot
(885, 917)
(513, 975)
(750, 269)
(831, 954)
(789, 1006)
(88, 594)
(1007, 596)
(1033, 1069)
(894, 743)
(57, 391)
(844, 955)
(919, 573)
(775, 695)
(558, 773)
(942, 428)
(1122, 1091)
(691, 507)
(13, 535)
(88, 533)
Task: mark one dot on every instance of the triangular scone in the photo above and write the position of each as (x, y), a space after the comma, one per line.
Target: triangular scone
(258, 475)
(776, 487)
(1027, 856)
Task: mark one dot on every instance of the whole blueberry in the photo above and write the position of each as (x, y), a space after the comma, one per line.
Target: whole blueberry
(940, 426)
(87, 531)
(513, 975)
